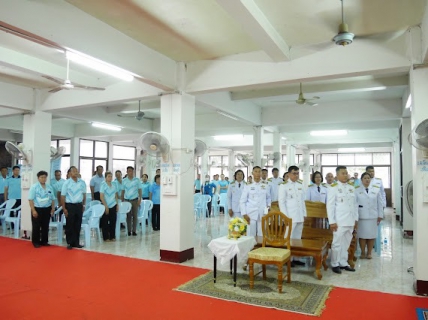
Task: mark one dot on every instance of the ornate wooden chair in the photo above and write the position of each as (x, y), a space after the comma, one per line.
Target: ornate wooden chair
(276, 234)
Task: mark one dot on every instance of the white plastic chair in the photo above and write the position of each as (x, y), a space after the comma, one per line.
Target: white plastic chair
(197, 205)
(15, 220)
(93, 223)
(94, 202)
(143, 213)
(223, 202)
(6, 207)
(58, 224)
(124, 208)
(206, 199)
(214, 205)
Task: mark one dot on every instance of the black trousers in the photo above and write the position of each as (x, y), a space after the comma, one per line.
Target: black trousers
(41, 225)
(108, 224)
(15, 214)
(156, 217)
(209, 209)
(97, 196)
(197, 191)
(74, 223)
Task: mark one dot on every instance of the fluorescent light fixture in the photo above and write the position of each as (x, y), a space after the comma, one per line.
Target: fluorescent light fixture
(231, 137)
(99, 65)
(328, 133)
(106, 126)
(409, 101)
(228, 115)
(351, 149)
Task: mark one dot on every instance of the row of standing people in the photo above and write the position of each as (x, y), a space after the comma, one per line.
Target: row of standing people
(346, 204)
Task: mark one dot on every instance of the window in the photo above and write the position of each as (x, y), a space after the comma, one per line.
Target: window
(382, 158)
(123, 157)
(92, 154)
(329, 159)
(345, 159)
(299, 157)
(218, 165)
(363, 158)
(62, 163)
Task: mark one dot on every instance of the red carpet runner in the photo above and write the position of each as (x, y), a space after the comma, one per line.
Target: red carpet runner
(54, 283)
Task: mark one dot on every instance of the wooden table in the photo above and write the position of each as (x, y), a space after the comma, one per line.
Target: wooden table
(308, 247)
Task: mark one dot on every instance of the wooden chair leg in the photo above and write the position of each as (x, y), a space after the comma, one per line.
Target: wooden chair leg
(264, 271)
(289, 271)
(251, 267)
(280, 266)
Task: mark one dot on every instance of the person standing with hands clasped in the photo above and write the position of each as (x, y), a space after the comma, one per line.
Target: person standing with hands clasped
(255, 202)
(42, 203)
(110, 200)
(342, 211)
(234, 193)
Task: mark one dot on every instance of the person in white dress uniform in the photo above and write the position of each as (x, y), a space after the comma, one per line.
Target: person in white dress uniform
(234, 193)
(291, 202)
(274, 183)
(255, 202)
(317, 191)
(370, 213)
(342, 211)
(377, 182)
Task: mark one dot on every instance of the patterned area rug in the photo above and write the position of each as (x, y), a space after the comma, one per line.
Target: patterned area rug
(306, 298)
(422, 314)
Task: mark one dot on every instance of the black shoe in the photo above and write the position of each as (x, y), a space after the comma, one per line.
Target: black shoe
(336, 270)
(36, 245)
(298, 263)
(122, 226)
(292, 264)
(69, 247)
(134, 233)
(348, 268)
(46, 244)
(129, 233)
(78, 246)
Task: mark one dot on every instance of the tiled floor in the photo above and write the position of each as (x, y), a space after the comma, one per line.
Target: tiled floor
(385, 273)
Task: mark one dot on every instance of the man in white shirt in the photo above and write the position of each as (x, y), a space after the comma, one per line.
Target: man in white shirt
(291, 201)
(274, 183)
(264, 175)
(329, 179)
(377, 182)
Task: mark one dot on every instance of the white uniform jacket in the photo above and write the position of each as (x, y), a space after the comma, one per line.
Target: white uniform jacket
(291, 200)
(254, 199)
(274, 186)
(234, 193)
(370, 205)
(342, 207)
(312, 193)
(378, 182)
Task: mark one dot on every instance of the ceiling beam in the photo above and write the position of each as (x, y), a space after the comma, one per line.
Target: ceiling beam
(257, 26)
(72, 28)
(16, 97)
(359, 59)
(361, 85)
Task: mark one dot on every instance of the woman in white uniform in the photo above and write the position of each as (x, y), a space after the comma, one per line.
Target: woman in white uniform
(234, 193)
(370, 213)
(317, 191)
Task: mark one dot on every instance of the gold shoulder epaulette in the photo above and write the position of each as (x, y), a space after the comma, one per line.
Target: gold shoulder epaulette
(357, 187)
(285, 182)
(375, 186)
(270, 179)
(310, 185)
(350, 183)
(299, 181)
(324, 184)
(333, 184)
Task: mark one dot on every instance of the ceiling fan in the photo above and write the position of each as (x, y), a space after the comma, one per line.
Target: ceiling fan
(139, 115)
(67, 84)
(301, 99)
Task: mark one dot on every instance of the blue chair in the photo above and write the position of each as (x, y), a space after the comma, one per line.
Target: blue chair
(215, 205)
(206, 199)
(93, 222)
(6, 207)
(124, 208)
(58, 224)
(144, 213)
(223, 202)
(15, 220)
(198, 205)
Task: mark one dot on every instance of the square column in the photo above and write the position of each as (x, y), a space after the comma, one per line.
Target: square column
(177, 216)
(291, 154)
(231, 166)
(418, 84)
(277, 144)
(258, 147)
(306, 169)
(37, 138)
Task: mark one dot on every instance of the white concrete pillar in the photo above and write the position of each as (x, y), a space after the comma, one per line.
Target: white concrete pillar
(231, 167)
(139, 170)
(110, 159)
(177, 217)
(277, 145)
(204, 165)
(258, 147)
(74, 152)
(37, 138)
(291, 154)
(306, 168)
(407, 172)
(418, 84)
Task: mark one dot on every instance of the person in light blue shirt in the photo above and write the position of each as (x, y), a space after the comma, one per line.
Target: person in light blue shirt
(110, 200)
(73, 199)
(317, 191)
(155, 197)
(42, 203)
(131, 192)
(208, 188)
(118, 183)
(357, 182)
(223, 184)
(57, 186)
(3, 178)
(12, 189)
(197, 184)
(145, 186)
(95, 183)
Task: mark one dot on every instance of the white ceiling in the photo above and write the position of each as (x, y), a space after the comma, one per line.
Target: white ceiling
(149, 37)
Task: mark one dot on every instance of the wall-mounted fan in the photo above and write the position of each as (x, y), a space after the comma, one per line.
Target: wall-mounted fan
(19, 152)
(154, 144)
(67, 84)
(418, 138)
(138, 115)
(409, 197)
(200, 148)
(245, 159)
(57, 153)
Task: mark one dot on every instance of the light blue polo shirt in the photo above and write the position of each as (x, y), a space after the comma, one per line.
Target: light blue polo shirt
(109, 193)
(197, 184)
(155, 190)
(146, 189)
(2, 184)
(42, 197)
(14, 187)
(73, 190)
(96, 182)
(118, 187)
(57, 185)
(131, 188)
(223, 183)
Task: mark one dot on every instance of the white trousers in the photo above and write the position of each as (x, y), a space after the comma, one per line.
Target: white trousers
(255, 228)
(296, 231)
(236, 215)
(339, 248)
